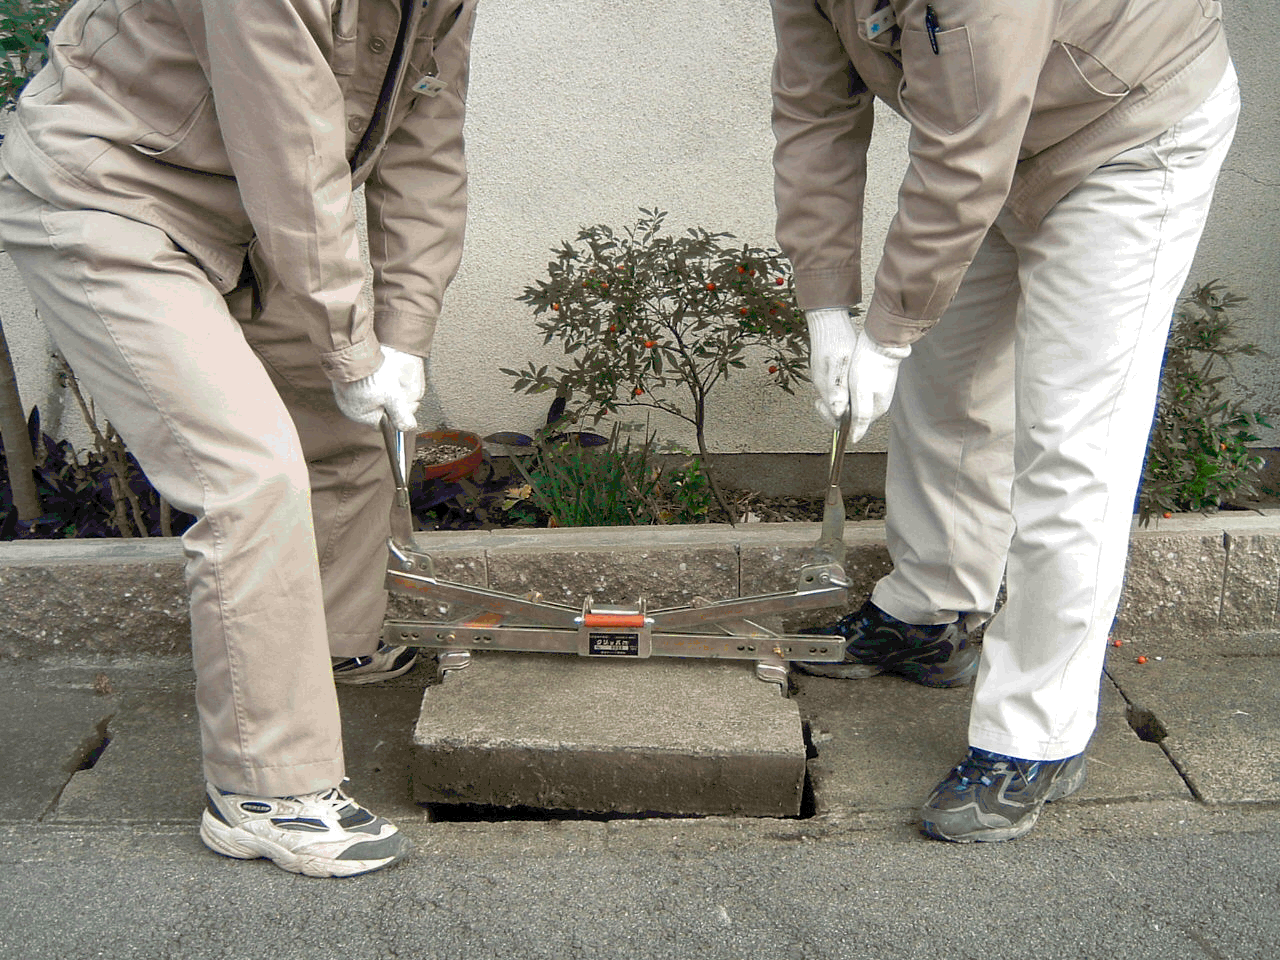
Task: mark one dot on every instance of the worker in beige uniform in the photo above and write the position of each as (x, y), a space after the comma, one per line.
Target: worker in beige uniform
(178, 196)
(1062, 156)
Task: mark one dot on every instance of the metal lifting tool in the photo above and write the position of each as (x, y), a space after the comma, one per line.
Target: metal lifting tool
(466, 618)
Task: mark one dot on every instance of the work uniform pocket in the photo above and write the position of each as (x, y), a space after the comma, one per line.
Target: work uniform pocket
(345, 16)
(422, 62)
(939, 88)
(1073, 66)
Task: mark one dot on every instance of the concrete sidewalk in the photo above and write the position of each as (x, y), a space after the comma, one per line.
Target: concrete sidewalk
(96, 742)
(103, 778)
(1167, 851)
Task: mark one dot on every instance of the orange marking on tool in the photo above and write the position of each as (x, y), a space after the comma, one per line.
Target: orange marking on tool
(613, 620)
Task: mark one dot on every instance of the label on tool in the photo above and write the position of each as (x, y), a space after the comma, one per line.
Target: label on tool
(611, 644)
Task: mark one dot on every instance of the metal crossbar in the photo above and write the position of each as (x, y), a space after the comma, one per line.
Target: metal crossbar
(466, 618)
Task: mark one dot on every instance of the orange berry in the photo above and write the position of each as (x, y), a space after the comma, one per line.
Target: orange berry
(613, 328)
(1142, 660)
(637, 391)
(711, 286)
(650, 344)
(773, 368)
(780, 281)
(555, 306)
(1166, 514)
(742, 269)
(1117, 643)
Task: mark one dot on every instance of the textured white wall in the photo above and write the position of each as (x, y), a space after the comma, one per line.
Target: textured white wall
(582, 113)
(1241, 243)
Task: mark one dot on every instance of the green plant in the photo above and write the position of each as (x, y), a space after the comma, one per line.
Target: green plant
(685, 493)
(642, 311)
(1198, 457)
(85, 494)
(581, 486)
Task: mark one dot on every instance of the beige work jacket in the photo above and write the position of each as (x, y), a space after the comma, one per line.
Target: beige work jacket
(242, 127)
(1011, 103)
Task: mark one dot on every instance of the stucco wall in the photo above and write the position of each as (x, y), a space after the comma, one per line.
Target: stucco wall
(581, 114)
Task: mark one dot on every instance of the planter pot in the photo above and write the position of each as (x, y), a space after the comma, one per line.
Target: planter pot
(446, 455)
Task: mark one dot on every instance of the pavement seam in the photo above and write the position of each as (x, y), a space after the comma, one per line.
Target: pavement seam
(1134, 709)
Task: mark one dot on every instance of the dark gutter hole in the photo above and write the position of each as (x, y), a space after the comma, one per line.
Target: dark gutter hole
(92, 749)
(1145, 724)
(485, 813)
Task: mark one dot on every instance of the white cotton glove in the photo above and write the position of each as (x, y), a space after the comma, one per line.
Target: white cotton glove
(395, 389)
(850, 370)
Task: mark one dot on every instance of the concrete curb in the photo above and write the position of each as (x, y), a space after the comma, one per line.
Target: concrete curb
(1191, 579)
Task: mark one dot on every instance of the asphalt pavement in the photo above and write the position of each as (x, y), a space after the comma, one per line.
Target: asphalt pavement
(1168, 850)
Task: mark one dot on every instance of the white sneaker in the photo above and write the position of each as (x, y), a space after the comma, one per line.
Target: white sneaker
(383, 664)
(324, 834)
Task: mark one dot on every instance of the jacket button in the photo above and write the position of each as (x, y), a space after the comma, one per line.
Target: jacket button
(377, 44)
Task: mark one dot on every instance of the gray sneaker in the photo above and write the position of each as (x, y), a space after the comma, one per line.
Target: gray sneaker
(935, 656)
(325, 834)
(383, 664)
(989, 796)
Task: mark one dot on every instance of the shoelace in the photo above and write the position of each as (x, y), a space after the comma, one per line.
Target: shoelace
(979, 768)
(333, 798)
(982, 768)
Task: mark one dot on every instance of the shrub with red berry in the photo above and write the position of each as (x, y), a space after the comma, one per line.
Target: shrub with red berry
(675, 316)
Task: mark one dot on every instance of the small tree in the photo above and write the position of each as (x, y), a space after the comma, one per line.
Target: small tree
(641, 311)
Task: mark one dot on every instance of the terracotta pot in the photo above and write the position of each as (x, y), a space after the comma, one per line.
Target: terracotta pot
(447, 470)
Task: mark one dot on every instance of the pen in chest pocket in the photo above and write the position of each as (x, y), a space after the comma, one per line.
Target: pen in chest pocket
(931, 24)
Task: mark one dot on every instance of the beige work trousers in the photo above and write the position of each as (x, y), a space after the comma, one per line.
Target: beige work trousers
(223, 402)
(1019, 426)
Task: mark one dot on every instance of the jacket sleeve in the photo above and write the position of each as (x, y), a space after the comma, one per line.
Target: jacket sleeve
(822, 120)
(970, 69)
(416, 200)
(282, 118)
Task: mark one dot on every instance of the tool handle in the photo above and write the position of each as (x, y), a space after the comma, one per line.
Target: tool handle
(839, 440)
(401, 515)
(831, 540)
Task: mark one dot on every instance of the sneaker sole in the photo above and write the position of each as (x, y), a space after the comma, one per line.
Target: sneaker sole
(994, 834)
(962, 668)
(838, 671)
(360, 679)
(241, 845)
